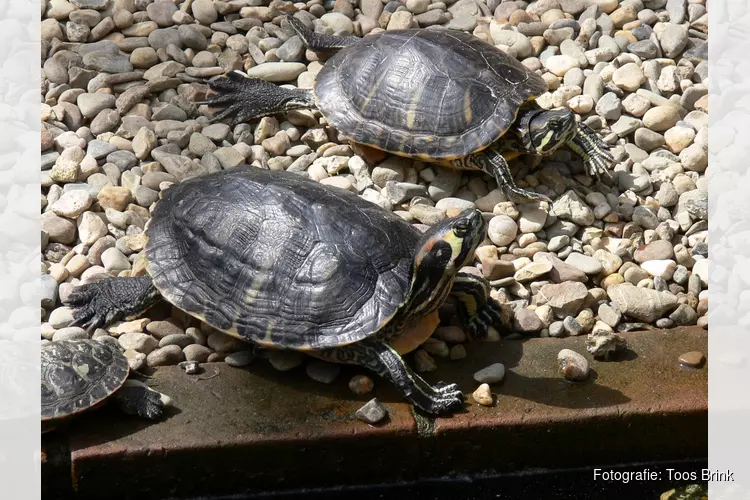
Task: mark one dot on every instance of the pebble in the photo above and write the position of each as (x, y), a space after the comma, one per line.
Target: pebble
(285, 360)
(585, 263)
(165, 356)
(483, 395)
(573, 366)
(323, 372)
(361, 384)
(372, 412)
(239, 359)
(196, 352)
(70, 333)
(190, 367)
(139, 342)
(692, 359)
(490, 374)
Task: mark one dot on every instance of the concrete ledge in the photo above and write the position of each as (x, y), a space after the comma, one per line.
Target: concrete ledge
(250, 430)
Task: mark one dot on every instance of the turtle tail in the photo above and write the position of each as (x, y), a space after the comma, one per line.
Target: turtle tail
(243, 98)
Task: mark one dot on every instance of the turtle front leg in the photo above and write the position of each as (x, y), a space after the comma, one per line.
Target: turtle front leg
(493, 162)
(382, 359)
(318, 42)
(595, 153)
(103, 302)
(477, 311)
(242, 98)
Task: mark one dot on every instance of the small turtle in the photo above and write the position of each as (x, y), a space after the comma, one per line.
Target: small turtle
(78, 375)
(284, 262)
(438, 95)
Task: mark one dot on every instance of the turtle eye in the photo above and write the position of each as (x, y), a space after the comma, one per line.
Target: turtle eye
(461, 228)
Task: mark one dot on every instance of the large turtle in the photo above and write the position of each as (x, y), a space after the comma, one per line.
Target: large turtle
(78, 375)
(435, 94)
(284, 262)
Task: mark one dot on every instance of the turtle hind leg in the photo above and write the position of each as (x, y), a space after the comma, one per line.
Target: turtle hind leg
(135, 398)
(477, 311)
(318, 42)
(242, 98)
(595, 153)
(492, 162)
(103, 302)
(382, 359)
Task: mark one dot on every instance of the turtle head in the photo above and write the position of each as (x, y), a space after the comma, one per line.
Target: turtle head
(444, 249)
(449, 246)
(549, 130)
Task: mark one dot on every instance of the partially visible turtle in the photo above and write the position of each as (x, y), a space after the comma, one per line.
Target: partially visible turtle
(284, 262)
(78, 375)
(690, 492)
(438, 95)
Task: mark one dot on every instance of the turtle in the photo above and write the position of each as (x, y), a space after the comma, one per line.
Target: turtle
(78, 375)
(437, 95)
(283, 262)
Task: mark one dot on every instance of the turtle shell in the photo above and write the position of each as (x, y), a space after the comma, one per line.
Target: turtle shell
(78, 375)
(426, 93)
(278, 259)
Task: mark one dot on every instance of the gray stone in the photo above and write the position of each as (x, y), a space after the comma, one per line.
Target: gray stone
(372, 412)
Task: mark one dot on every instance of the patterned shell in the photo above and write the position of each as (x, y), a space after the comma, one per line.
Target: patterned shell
(79, 374)
(427, 93)
(278, 259)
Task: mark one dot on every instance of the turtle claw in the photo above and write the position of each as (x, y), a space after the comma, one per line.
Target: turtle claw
(596, 155)
(91, 309)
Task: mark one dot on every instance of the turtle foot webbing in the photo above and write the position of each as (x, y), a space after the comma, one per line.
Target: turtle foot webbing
(103, 302)
(242, 98)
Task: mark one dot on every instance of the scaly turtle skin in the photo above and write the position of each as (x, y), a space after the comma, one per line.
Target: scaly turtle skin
(438, 95)
(78, 375)
(284, 262)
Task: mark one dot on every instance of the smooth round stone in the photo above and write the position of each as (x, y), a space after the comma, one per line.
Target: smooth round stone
(323, 372)
(483, 395)
(70, 333)
(561, 64)
(491, 374)
(179, 339)
(277, 71)
(585, 263)
(693, 359)
(361, 384)
(502, 230)
(661, 118)
(196, 352)
(629, 77)
(239, 359)
(61, 317)
(285, 360)
(139, 342)
(338, 22)
(165, 356)
(573, 366)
